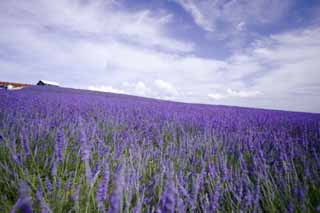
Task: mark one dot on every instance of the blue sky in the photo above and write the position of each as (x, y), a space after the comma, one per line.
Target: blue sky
(262, 53)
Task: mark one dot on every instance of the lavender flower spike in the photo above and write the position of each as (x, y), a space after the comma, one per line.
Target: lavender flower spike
(24, 203)
(43, 205)
(101, 194)
(84, 146)
(168, 200)
(60, 145)
(85, 155)
(117, 193)
(25, 143)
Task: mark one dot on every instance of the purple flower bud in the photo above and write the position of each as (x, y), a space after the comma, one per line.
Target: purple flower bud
(15, 157)
(180, 206)
(60, 146)
(138, 207)
(58, 183)
(24, 203)
(117, 193)
(43, 205)
(290, 208)
(48, 185)
(75, 194)
(25, 144)
(53, 169)
(215, 198)
(88, 171)
(195, 189)
(39, 193)
(68, 184)
(84, 146)
(101, 194)
(168, 198)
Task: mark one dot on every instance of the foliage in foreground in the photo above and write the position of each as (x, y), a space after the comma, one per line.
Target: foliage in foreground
(64, 150)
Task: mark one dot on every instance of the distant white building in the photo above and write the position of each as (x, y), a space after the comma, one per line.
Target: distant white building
(47, 83)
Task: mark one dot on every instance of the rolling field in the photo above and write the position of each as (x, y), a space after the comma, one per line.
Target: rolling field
(66, 150)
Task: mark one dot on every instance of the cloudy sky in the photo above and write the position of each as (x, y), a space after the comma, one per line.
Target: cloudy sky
(261, 53)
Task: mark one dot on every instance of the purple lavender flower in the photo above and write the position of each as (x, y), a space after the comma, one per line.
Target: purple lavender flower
(25, 143)
(75, 194)
(88, 172)
(84, 146)
(257, 196)
(58, 183)
(24, 203)
(215, 198)
(68, 184)
(60, 145)
(117, 193)
(101, 194)
(138, 207)
(48, 185)
(53, 169)
(43, 205)
(195, 189)
(290, 207)
(85, 154)
(168, 198)
(39, 193)
(14, 154)
(180, 206)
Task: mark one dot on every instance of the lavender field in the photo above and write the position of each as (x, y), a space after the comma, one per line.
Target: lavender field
(65, 150)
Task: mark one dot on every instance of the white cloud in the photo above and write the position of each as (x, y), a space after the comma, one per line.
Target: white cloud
(230, 93)
(146, 29)
(96, 19)
(243, 94)
(241, 26)
(288, 67)
(106, 89)
(216, 96)
(198, 12)
(141, 89)
(289, 47)
(166, 88)
(231, 16)
(280, 71)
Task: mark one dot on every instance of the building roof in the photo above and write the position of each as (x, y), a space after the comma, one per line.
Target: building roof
(48, 82)
(5, 84)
